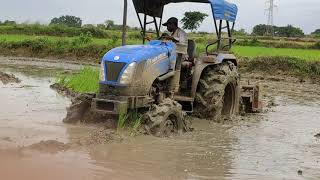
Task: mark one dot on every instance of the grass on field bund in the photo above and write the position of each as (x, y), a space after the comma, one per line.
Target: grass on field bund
(285, 65)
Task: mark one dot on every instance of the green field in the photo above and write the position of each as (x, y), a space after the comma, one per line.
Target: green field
(54, 42)
(248, 51)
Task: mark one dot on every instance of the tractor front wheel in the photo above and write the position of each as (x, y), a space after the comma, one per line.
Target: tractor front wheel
(165, 119)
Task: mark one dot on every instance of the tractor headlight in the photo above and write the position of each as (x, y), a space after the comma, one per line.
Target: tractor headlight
(102, 75)
(127, 75)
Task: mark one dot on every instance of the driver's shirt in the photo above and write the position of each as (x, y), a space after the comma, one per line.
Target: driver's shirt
(180, 36)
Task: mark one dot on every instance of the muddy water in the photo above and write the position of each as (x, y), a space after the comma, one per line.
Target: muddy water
(272, 145)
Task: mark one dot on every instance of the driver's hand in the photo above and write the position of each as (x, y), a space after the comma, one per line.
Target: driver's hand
(148, 38)
(164, 35)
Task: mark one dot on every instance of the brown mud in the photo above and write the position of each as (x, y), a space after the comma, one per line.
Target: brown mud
(8, 78)
(50, 146)
(277, 144)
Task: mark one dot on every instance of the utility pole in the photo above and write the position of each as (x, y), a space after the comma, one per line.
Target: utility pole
(124, 24)
(271, 6)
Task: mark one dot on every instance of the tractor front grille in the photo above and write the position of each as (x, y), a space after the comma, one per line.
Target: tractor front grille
(113, 70)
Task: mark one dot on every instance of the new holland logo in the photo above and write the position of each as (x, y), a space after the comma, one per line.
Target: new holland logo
(116, 58)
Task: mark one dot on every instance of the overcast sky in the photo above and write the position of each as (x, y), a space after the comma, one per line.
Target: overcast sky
(302, 13)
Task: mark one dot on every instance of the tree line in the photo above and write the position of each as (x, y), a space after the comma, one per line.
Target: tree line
(284, 31)
(191, 21)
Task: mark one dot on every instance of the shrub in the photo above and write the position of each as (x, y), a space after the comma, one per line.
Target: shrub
(82, 39)
(316, 45)
(289, 65)
(39, 44)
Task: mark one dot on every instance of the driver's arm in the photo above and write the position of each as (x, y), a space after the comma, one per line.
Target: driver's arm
(168, 37)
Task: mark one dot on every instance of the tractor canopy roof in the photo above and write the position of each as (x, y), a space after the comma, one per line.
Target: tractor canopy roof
(221, 9)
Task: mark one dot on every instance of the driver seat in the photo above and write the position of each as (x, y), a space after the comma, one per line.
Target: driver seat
(191, 50)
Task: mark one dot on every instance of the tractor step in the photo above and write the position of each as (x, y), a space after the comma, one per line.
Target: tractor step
(251, 96)
(186, 102)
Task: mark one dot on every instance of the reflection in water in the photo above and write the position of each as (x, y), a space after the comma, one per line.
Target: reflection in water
(274, 145)
(280, 145)
(30, 111)
(199, 155)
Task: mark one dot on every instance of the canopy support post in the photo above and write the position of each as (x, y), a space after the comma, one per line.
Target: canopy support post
(124, 24)
(229, 34)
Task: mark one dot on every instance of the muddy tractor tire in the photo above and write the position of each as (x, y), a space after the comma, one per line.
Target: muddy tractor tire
(217, 96)
(165, 119)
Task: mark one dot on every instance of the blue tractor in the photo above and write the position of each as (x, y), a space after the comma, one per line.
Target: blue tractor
(155, 78)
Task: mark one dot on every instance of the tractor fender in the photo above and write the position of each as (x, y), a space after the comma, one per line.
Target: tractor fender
(227, 57)
(203, 62)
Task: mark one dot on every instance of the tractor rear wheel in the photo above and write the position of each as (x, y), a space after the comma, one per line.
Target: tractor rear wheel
(217, 94)
(165, 119)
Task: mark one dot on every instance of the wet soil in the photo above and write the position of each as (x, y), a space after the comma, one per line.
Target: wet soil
(51, 146)
(277, 144)
(8, 78)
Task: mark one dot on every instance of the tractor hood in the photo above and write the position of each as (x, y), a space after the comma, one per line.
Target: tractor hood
(138, 53)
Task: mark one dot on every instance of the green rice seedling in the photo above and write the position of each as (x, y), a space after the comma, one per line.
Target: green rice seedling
(85, 81)
(122, 120)
(136, 121)
(252, 52)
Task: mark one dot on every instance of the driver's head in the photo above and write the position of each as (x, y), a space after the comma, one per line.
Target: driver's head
(172, 24)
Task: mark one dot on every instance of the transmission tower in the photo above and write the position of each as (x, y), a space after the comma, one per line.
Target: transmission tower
(270, 9)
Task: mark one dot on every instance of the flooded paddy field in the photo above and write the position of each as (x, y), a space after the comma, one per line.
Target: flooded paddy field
(280, 143)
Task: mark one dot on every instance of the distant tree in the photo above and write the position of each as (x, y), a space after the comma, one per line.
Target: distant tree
(241, 32)
(260, 30)
(101, 26)
(289, 31)
(202, 32)
(192, 20)
(316, 32)
(8, 23)
(135, 28)
(88, 26)
(71, 21)
(109, 24)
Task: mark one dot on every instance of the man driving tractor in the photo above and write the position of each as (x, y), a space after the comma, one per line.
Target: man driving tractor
(178, 35)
